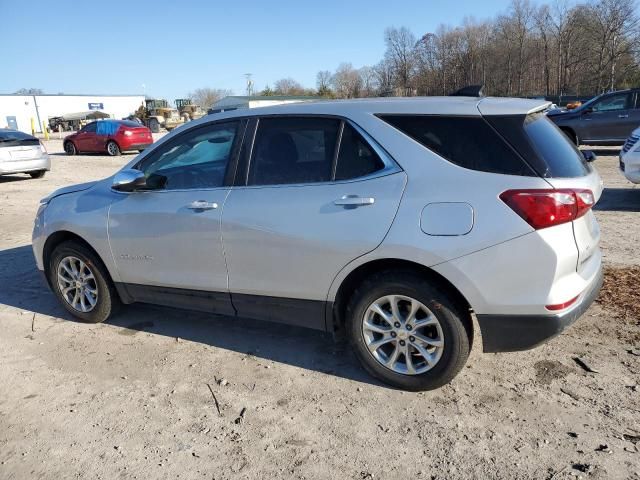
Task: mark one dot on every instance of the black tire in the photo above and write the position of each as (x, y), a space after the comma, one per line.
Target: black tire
(70, 148)
(456, 329)
(38, 174)
(108, 301)
(154, 125)
(113, 149)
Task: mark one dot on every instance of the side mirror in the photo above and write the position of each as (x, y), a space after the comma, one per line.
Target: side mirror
(589, 156)
(128, 180)
(587, 111)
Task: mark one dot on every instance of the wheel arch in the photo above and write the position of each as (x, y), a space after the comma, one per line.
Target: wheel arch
(72, 143)
(61, 236)
(337, 309)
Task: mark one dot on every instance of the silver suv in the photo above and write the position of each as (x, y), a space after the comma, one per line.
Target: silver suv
(389, 221)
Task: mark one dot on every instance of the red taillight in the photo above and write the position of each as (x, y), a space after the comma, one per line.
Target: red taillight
(561, 306)
(546, 208)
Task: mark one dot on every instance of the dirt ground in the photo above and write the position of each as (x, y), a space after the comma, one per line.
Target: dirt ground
(138, 397)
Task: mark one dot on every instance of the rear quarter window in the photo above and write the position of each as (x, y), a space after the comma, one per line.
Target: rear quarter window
(469, 142)
(542, 144)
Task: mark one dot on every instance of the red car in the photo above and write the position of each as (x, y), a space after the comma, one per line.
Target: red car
(111, 136)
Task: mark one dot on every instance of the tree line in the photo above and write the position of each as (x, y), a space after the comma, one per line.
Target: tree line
(561, 48)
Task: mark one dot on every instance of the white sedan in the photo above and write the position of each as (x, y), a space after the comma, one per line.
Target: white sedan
(630, 157)
(22, 153)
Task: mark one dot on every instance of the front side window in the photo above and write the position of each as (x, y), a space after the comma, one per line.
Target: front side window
(291, 150)
(90, 128)
(196, 159)
(612, 103)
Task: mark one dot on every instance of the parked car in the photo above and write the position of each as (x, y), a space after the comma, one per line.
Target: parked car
(110, 136)
(22, 153)
(607, 119)
(388, 221)
(630, 157)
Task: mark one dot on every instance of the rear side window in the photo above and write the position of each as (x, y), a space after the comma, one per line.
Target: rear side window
(356, 157)
(293, 150)
(466, 141)
(542, 145)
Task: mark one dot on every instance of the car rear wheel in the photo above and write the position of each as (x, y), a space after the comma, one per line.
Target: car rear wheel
(70, 148)
(113, 149)
(407, 332)
(38, 174)
(81, 283)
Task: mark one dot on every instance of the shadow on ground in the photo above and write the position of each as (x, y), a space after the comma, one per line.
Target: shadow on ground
(603, 151)
(619, 200)
(23, 288)
(14, 178)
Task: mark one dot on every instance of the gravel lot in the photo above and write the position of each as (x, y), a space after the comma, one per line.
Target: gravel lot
(136, 397)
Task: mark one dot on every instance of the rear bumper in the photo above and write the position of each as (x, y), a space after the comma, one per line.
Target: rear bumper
(136, 146)
(511, 333)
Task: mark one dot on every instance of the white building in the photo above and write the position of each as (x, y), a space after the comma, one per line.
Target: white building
(235, 102)
(16, 111)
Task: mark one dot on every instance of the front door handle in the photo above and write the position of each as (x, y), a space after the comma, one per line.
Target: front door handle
(354, 201)
(202, 205)
(623, 116)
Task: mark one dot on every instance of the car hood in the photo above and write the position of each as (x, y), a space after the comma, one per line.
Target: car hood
(70, 189)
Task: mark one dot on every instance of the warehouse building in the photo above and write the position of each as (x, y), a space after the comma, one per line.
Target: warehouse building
(16, 111)
(234, 102)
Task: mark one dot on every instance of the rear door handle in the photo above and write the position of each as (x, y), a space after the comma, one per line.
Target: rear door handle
(202, 205)
(354, 201)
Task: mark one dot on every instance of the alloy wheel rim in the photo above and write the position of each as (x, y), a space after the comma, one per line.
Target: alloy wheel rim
(402, 334)
(112, 148)
(69, 148)
(77, 284)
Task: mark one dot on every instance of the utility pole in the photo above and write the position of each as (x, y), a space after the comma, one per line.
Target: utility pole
(249, 84)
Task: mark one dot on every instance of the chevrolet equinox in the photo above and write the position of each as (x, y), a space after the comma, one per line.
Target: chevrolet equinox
(389, 221)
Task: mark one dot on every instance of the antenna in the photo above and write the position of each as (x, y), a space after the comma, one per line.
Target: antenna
(249, 84)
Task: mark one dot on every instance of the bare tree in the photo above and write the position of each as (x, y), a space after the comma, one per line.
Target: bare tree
(346, 81)
(206, 97)
(288, 86)
(323, 83)
(400, 53)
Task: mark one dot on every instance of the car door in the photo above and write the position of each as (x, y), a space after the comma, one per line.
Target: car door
(315, 193)
(166, 239)
(86, 138)
(607, 119)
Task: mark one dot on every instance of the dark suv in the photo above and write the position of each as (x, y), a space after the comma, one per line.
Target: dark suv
(607, 119)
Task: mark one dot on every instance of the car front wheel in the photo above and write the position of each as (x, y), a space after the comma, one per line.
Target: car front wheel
(38, 174)
(81, 283)
(407, 332)
(70, 148)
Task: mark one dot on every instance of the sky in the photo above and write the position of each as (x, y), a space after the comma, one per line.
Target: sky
(168, 48)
